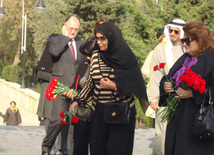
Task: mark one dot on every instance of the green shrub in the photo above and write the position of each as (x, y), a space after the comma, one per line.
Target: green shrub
(142, 120)
(1, 66)
(37, 88)
(12, 73)
(6, 72)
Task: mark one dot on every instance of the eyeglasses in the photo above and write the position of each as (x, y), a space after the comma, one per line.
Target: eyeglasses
(175, 31)
(100, 38)
(72, 28)
(187, 40)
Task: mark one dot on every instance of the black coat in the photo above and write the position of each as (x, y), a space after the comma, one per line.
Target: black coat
(44, 72)
(45, 64)
(179, 134)
(79, 81)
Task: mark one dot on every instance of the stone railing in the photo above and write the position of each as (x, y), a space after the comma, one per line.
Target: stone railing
(26, 98)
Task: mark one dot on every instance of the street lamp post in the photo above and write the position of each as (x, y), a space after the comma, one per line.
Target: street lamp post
(23, 44)
(40, 5)
(2, 13)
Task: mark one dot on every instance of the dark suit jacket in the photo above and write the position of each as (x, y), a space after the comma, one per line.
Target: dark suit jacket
(64, 65)
(64, 69)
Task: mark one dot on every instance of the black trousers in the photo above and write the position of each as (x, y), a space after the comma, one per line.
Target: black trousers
(55, 126)
(111, 139)
(81, 137)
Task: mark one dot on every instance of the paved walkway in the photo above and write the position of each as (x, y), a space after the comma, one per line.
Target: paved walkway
(27, 139)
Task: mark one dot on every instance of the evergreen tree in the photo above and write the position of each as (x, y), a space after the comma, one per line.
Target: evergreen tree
(45, 23)
(89, 11)
(189, 10)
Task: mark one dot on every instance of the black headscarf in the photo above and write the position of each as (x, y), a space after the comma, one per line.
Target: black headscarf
(119, 56)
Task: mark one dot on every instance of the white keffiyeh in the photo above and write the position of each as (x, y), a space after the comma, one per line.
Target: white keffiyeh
(177, 23)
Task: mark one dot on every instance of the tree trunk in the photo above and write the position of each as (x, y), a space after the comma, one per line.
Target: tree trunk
(16, 58)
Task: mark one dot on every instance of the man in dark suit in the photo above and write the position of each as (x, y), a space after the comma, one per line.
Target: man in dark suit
(66, 57)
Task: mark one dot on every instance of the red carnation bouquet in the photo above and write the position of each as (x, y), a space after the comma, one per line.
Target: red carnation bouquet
(55, 88)
(71, 114)
(189, 80)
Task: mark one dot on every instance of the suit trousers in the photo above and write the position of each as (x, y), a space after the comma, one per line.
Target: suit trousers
(55, 126)
(111, 139)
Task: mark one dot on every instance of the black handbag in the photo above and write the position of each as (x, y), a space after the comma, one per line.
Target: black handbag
(116, 113)
(204, 123)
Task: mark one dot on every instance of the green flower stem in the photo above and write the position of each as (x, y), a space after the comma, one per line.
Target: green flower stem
(70, 114)
(168, 112)
(60, 89)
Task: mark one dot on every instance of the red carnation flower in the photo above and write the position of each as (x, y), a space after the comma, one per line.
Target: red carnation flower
(196, 85)
(54, 97)
(54, 81)
(203, 82)
(202, 89)
(62, 114)
(63, 122)
(187, 71)
(74, 119)
(155, 67)
(161, 65)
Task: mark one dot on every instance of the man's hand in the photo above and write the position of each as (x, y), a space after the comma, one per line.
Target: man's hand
(106, 83)
(73, 106)
(154, 105)
(64, 30)
(69, 94)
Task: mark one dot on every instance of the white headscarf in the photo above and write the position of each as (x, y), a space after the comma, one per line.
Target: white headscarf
(176, 23)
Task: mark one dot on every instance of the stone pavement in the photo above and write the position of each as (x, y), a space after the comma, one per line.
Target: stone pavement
(27, 138)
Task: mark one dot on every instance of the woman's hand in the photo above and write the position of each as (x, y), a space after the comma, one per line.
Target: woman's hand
(168, 87)
(106, 83)
(73, 106)
(69, 94)
(183, 94)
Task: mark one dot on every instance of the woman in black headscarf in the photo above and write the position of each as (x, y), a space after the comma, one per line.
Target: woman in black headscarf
(114, 70)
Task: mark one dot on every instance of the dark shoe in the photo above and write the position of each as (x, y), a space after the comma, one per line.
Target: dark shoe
(45, 153)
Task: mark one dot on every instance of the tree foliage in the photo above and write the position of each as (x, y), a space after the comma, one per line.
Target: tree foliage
(46, 22)
(89, 11)
(141, 22)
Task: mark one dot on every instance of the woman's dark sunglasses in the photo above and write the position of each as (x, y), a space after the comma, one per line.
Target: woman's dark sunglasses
(187, 41)
(100, 38)
(175, 31)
